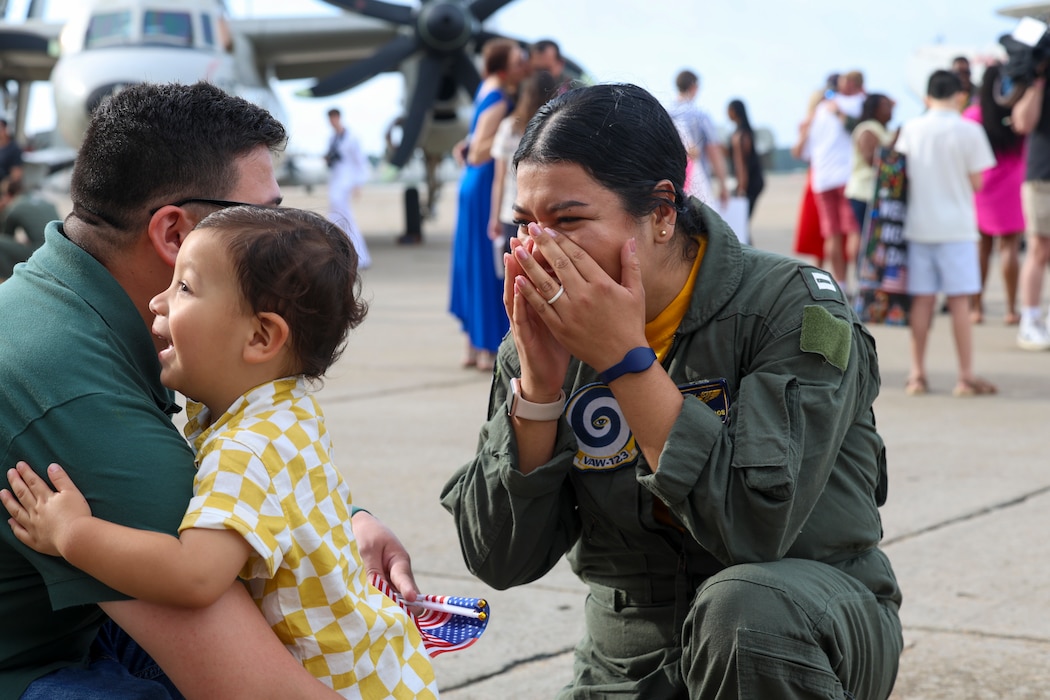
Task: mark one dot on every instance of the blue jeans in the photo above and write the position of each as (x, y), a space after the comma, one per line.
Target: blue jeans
(860, 212)
(118, 669)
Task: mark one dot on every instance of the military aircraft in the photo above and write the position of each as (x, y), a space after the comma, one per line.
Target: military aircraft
(110, 44)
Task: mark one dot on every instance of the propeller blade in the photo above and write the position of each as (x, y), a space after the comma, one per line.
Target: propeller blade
(483, 9)
(427, 83)
(398, 14)
(387, 58)
(466, 73)
(482, 36)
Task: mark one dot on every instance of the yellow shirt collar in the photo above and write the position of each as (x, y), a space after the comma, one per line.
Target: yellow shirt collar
(661, 330)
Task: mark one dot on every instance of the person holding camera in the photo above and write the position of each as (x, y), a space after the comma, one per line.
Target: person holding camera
(1030, 116)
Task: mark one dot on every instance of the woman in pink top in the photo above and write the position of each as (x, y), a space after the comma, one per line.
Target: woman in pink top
(998, 203)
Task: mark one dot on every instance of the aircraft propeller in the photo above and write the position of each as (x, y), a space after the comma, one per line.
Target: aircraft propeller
(442, 34)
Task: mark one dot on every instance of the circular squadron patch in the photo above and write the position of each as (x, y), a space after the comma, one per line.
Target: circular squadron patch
(604, 440)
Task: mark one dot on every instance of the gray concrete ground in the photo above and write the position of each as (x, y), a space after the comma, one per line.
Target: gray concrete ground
(967, 524)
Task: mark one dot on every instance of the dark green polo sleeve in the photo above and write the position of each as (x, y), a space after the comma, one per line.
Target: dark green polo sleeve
(130, 462)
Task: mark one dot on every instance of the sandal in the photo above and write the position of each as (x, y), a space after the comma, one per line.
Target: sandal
(470, 359)
(485, 361)
(916, 386)
(974, 387)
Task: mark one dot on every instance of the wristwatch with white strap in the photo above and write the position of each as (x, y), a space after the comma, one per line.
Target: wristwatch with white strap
(519, 407)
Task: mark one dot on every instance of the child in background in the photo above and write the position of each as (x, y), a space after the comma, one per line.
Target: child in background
(947, 157)
(260, 304)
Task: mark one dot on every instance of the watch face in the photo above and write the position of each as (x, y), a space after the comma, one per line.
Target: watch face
(512, 397)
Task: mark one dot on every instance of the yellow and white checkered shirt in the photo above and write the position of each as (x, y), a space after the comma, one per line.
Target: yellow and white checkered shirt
(265, 471)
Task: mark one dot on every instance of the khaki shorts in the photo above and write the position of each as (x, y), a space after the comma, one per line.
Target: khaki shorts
(1035, 202)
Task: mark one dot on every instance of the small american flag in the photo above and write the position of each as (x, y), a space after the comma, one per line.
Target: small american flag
(447, 623)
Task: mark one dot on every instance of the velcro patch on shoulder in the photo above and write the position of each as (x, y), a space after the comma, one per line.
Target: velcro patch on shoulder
(821, 284)
(827, 335)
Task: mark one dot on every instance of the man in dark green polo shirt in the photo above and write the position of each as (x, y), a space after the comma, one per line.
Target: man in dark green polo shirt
(80, 384)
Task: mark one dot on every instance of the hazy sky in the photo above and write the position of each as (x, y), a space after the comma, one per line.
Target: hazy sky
(770, 53)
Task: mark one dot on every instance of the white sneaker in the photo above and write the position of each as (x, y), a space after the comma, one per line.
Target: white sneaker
(1032, 336)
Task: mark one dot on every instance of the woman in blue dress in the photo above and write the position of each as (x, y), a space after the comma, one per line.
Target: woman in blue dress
(477, 292)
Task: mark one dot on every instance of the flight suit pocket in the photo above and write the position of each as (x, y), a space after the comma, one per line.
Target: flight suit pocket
(765, 433)
(778, 667)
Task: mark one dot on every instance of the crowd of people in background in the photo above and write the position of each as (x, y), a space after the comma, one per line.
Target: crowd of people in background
(978, 177)
(839, 138)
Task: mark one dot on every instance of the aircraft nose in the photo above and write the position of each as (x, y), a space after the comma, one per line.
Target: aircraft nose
(96, 96)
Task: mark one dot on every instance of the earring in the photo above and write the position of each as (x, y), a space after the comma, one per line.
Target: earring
(663, 233)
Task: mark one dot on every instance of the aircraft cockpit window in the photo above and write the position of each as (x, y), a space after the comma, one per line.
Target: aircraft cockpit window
(207, 36)
(109, 29)
(168, 28)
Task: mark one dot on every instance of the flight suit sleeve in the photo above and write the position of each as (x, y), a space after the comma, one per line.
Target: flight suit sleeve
(513, 528)
(745, 489)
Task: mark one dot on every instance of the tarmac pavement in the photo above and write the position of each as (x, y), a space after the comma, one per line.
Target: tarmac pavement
(967, 525)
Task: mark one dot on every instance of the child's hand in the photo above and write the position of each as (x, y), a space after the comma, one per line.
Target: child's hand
(42, 518)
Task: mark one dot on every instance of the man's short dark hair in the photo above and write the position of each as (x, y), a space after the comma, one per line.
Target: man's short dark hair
(943, 85)
(686, 80)
(153, 144)
(334, 112)
(544, 45)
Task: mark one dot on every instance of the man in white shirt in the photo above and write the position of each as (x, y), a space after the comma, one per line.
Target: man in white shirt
(831, 149)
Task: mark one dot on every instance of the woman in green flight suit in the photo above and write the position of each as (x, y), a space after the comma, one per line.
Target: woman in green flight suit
(689, 420)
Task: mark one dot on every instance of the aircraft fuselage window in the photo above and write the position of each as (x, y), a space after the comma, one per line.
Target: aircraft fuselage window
(206, 33)
(109, 29)
(168, 28)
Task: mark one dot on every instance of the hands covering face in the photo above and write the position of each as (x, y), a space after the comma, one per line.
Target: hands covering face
(561, 303)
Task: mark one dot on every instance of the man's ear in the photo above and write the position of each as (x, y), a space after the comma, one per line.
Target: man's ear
(168, 228)
(269, 337)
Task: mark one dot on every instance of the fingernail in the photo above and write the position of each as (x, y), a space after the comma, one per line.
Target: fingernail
(551, 232)
(633, 245)
(52, 468)
(521, 253)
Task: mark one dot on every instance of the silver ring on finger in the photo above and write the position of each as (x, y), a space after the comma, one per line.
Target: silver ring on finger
(557, 295)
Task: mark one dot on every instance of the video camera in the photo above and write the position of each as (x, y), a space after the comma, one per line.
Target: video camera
(1027, 58)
